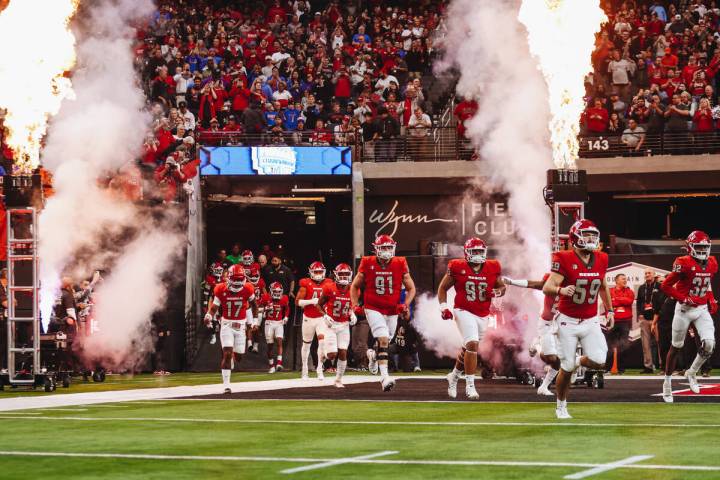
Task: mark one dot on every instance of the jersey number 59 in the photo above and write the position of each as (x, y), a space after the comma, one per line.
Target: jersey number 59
(586, 293)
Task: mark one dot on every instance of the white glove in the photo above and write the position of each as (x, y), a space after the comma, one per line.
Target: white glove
(515, 283)
(305, 303)
(285, 321)
(610, 320)
(353, 318)
(208, 319)
(328, 320)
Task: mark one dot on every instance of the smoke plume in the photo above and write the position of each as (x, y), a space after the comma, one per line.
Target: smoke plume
(84, 226)
(487, 44)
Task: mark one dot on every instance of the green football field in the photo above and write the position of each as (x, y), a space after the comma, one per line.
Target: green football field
(177, 439)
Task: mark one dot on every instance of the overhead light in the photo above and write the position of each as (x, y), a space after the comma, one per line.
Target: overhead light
(277, 233)
(310, 220)
(321, 190)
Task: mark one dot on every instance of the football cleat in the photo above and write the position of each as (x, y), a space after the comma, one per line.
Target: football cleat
(339, 383)
(561, 413)
(213, 340)
(320, 372)
(452, 385)
(417, 370)
(545, 391)
(272, 370)
(692, 380)
(388, 383)
(372, 361)
(471, 393)
(667, 392)
(227, 391)
(279, 368)
(304, 375)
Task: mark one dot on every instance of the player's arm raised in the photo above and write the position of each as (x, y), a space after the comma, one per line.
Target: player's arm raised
(607, 300)
(300, 298)
(446, 284)
(531, 284)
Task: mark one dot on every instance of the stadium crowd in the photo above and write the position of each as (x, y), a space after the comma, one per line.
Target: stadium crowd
(656, 71)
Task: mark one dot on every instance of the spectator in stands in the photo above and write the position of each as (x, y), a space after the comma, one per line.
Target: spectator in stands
(254, 123)
(235, 254)
(596, 118)
(385, 130)
(615, 125)
(620, 70)
(187, 117)
(343, 132)
(656, 115)
(618, 337)
(321, 136)
(633, 137)
(419, 129)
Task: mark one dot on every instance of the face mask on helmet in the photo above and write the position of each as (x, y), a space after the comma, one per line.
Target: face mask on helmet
(385, 252)
(217, 272)
(247, 260)
(317, 275)
(476, 255)
(254, 278)
(276, 293)
(343, 278)
(588, 240)
(236, 283)
(700, 251)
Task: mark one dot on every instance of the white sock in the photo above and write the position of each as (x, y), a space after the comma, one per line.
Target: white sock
(305, 354)
(549, 377)
(696, 364)
(383, 370)
(469, 381)
(340, 371)
(279, 357)
(561, 403)
(320, 353)
(225, 376)
(668, 378)
(456, 372)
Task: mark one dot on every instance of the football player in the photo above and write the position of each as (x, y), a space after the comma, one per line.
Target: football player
(381, 278)
(247, 258)
(276, 308)
(232, 297)
(335, 304)
(215, 274)
(689, 284)
(307, 298)
(253, 274)
(547, 331)
(475, 278)
(578, 277)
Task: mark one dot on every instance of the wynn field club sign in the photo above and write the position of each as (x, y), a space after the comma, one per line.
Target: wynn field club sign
(410, 219)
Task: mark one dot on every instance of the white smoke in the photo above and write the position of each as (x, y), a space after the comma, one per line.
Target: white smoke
(84, 226)
(488, 45)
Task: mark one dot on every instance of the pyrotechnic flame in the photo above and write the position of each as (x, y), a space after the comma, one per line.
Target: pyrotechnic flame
(561, 34)
(38, 48)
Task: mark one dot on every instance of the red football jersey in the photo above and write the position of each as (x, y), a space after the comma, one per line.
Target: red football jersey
(383, 283)
(233, 304)
(689, 277)
(473, 289)
(338, 302)
(259, 288)
(549, 303)
(276, 310)
(312, 290)
(587, 279)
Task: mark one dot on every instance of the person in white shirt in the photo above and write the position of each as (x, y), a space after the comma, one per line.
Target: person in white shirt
(187, 116)
(419, 128)
(183, 81)
(384, 82)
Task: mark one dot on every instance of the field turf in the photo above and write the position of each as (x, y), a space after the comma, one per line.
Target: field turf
(269, 439)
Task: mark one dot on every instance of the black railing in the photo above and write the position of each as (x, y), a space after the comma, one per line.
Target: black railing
(444, 143)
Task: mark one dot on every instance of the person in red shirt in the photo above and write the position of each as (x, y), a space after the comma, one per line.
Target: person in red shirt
(464, 111)
(669, 60)
(618, 338)
(476, 281)
(690, 283)
(239, 95)
(275, 310)
(596, 118)
(703, 121)
(546, 341)
(578, 278)
(232, 298)
(380, 278)
(307, 298)
(335, 305)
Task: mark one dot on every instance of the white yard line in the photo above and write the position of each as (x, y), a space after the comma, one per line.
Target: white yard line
(62, 410)
(608, 466)
(240, 421)
(370, 461)
(339, 461)
(20, 413)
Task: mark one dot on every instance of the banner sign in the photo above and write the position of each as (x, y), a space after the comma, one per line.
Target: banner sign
(409, 219)
(280, 160)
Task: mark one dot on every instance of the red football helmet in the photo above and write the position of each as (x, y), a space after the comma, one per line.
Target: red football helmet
(276, 291)
(254, 273)
(247, 258)
(343, 274)
(475, 251)
(236, 277)
(317, 271)
(585, 235)
(384, 247)
(698, 245)
(216, 269)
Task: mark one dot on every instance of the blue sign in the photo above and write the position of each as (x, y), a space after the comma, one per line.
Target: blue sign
(275, 161)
